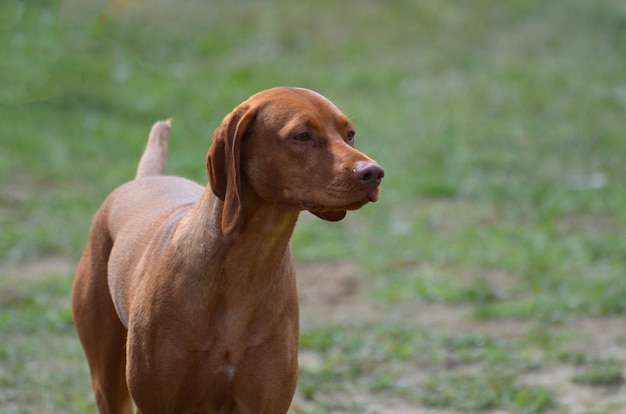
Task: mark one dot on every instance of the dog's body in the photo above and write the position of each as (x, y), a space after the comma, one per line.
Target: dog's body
(186, 296)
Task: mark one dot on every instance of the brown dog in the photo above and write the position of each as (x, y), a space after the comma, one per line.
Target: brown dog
(185, 297)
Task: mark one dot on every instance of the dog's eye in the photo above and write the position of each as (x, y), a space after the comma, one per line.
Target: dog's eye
(350, 136)
(302, 137)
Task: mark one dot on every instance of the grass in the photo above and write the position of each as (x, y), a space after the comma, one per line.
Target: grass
(41, 364)
(605, 374)
(477, 393)
(500, 125)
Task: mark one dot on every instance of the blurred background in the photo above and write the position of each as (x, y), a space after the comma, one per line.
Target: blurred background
(489, 277)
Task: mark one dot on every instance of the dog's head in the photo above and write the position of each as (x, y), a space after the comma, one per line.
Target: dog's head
(294, 148)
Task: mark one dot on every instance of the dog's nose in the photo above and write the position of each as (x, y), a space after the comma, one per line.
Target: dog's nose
(369, 173)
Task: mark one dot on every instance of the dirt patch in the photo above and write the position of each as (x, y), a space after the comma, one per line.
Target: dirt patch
(573, 398)
(340, 292)
(332, 292)
(38, 269)
(15, 275)
(588, 222)
(328, 284)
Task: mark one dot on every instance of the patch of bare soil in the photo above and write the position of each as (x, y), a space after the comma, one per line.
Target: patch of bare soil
(38, 269)
(604, 337)
(332, 293)
(13, 275)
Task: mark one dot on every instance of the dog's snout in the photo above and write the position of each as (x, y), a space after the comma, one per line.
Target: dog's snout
(369, 173)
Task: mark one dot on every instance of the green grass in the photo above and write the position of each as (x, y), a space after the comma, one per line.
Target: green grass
(604, 374)
(500, 126)
(42, 368)
(476, 393)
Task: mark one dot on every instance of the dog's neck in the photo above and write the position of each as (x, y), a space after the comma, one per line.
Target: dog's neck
(243, 283)
(263, 236)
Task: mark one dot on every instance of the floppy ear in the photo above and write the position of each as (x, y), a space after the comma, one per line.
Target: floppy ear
(223, 164)
(330, 215)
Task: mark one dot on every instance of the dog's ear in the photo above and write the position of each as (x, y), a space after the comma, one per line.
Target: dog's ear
(223, 164)
(330, 215)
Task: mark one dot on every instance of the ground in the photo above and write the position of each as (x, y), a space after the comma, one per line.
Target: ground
(338, 293)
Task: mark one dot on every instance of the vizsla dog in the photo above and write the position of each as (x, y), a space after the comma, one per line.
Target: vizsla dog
(185, 297)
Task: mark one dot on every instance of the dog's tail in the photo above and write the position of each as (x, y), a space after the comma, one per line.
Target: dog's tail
(154, 158)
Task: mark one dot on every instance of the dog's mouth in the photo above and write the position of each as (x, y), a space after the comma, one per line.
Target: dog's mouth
(342, 204)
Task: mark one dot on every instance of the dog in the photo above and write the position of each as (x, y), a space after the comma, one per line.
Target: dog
(185, 297)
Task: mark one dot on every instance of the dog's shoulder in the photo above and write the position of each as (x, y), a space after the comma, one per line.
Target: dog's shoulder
(148, 199)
